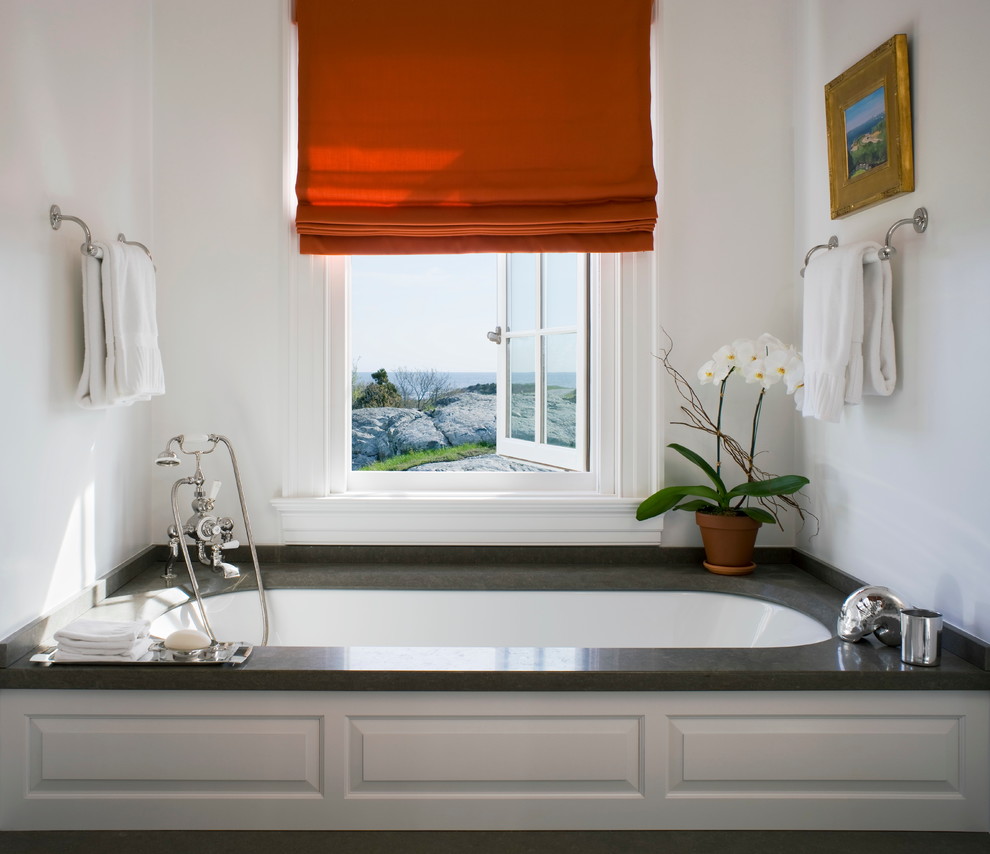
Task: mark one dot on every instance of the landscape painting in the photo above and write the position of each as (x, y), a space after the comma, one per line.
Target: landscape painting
(866, 134)
(868, 122)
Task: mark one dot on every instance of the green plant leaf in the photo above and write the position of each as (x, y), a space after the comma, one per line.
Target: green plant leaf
(697, 504)
(783, 485)
(701, 463)
(665, 499)
(760, 515)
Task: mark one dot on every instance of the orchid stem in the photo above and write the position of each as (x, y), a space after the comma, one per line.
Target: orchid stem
(756, 427)
(718, 425)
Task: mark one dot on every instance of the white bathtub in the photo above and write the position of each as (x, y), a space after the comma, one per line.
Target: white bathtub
(499, 619)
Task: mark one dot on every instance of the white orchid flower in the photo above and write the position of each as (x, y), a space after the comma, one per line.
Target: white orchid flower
(714, 371)
(736, 354)
(776, 363)
(767, 344)
(757, 371)
(794, 374)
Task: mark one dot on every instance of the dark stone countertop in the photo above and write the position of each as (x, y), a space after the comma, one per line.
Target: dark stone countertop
(829, 665)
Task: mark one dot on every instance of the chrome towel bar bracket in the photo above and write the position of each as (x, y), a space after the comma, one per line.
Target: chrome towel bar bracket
(55, 217)
(833, 241)
(919, 221)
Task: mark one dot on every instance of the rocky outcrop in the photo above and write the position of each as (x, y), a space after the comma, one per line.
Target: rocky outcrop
(381, 432)
(466, 417)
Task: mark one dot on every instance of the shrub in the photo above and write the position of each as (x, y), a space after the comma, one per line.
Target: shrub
(380, 392)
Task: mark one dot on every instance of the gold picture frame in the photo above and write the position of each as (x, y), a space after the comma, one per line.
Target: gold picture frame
(868, 121)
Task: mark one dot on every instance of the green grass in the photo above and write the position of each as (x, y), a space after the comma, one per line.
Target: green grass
(401, 462)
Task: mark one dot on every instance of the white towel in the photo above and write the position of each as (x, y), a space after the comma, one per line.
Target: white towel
(138, 651)
(848, 330)
(91, 393)
(122, 633)
(122, 363)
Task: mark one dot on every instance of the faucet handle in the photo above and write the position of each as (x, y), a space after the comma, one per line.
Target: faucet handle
(215, 489)
(230, 544)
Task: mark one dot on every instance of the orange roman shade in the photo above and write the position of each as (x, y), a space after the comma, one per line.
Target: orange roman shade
(446, 126)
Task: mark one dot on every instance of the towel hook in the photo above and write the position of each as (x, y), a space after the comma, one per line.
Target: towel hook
(920, 223)
(55, 217)
(833, 242)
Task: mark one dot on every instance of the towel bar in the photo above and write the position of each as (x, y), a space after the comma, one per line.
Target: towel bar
(919, 221)
(55, 217)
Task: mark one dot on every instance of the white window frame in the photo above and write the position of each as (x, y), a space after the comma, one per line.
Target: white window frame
(534, 450)
(323, 502)
(342, 480)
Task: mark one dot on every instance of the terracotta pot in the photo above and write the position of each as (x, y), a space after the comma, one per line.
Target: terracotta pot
(729, 542)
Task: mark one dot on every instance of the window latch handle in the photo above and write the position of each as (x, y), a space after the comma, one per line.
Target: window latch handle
(496, 336)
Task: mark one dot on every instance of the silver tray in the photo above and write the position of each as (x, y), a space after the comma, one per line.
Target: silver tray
(218, 653)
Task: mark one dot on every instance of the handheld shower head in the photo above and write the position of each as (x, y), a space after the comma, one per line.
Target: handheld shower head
(167, 458)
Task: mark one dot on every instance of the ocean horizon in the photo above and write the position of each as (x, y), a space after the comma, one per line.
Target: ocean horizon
(464, 379)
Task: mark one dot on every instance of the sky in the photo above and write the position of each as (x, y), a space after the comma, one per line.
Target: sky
(423, 311)
(869, 107)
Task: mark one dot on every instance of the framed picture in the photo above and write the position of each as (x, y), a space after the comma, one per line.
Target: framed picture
(868, 119)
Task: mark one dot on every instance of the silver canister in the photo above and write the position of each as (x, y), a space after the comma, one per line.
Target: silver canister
(921, 636)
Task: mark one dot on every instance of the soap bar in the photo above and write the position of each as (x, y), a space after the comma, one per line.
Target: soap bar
(186, 639)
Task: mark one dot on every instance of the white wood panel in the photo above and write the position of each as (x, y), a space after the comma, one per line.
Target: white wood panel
(86, 754)
(828, 754)
(523, 755)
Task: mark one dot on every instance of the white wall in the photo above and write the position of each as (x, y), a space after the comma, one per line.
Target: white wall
(726, 219)
(75, 130)
(900, 483)
(220, 231)
(743, 116)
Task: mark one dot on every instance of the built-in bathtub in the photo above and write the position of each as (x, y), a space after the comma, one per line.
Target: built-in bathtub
(501, 618)
(596, 698)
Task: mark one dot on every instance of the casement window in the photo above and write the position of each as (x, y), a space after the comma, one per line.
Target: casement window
(325, 501)
(543, 378)
(470, 354)
(595, 318)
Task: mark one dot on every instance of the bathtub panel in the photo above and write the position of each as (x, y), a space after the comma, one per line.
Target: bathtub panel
(524, 756)
(839, 754)
(494, 761)
(207, 756)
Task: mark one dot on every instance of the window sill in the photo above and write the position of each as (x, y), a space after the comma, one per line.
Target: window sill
(464, 519)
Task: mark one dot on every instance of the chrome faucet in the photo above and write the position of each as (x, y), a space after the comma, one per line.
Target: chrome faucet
(871, 609)
(211, 534)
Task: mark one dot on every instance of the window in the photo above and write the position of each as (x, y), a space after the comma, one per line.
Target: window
(543, 366)
(324, 501)
(469, 362)
(537, 309)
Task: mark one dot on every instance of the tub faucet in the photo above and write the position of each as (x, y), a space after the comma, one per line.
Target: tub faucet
(212, 534)
(871, 609)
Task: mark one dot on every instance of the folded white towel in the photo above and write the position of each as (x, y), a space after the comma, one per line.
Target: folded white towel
(138, 651)
(122, 363)
(88, 631)
(848, 331)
